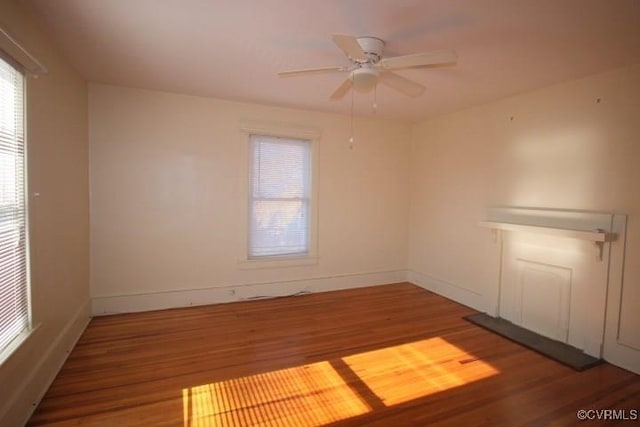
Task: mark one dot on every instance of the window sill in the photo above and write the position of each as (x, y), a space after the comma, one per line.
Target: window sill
(278, 262)
(10, 350)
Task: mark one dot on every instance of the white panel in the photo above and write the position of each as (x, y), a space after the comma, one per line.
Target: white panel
(544, 299)
(619, 347)
(629, 327)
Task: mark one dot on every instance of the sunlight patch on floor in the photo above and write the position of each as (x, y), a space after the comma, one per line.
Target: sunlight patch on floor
(334, 390)
(306, 395)
(409, 371)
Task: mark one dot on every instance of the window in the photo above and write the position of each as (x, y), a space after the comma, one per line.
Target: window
(280, 197)
(14, 300)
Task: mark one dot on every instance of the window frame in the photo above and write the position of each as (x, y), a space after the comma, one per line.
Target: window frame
(285, 131)
(16, 341)
(255, 140)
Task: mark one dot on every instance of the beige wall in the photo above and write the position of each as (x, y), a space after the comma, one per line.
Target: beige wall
(167, 189)
(167, 192)
(59, 220)
(572, 146)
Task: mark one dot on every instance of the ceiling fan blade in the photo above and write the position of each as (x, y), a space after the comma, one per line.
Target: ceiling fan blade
(436, 57)
(342, 90)
(349, 46)
(401, 84)
(317, 70)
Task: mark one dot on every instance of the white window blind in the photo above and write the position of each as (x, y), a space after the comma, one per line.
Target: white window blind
(14, 302)
(279, 197)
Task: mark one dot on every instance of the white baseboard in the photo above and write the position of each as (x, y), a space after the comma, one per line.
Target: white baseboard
(103, 305)
(18, 406)
(448, 290)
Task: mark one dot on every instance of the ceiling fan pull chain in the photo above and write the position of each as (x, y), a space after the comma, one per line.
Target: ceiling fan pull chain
(375, 99)
(351, 139)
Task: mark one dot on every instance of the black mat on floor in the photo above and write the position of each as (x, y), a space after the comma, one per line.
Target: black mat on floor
(555, 350)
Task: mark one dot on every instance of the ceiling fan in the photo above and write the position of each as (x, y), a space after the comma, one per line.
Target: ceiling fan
(368, 66)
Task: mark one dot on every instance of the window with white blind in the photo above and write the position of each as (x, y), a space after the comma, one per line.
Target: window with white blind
(14, 299)
(280, 197)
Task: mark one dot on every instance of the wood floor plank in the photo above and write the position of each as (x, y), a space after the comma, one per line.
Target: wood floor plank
(386, 355)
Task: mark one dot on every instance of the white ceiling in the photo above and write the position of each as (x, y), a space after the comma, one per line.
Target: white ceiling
(233, 49)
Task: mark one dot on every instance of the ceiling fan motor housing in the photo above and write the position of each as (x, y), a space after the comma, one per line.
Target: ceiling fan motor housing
(365, 77)
(373, 47)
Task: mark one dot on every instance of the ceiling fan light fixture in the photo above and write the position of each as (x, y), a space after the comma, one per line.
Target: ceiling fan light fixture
(368, 66)
(364, 79)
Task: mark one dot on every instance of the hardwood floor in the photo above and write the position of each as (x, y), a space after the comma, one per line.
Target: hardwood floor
(391, 355)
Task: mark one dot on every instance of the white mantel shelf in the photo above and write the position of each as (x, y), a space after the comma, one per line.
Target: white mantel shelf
(597, 236)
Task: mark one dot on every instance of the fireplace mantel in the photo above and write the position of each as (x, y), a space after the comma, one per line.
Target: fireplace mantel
(593, 236)
(590, 226)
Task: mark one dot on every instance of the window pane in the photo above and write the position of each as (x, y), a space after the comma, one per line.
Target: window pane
(280, 168)
(279, 228)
